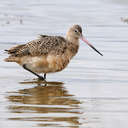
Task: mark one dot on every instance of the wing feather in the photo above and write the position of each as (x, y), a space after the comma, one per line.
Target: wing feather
(42, 46)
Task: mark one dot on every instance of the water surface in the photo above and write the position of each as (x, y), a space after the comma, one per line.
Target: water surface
(94, 89)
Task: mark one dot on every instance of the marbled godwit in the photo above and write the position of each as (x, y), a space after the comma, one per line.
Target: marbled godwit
(48, 54)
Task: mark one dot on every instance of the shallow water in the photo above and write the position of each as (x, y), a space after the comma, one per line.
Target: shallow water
(94, 89)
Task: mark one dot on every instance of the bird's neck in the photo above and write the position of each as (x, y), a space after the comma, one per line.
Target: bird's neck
(73, 40)
(73, 45)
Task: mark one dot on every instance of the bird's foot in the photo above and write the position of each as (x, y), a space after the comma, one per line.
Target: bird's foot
(41, 78)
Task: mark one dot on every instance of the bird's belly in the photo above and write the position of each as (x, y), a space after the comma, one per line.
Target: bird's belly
(45, 64)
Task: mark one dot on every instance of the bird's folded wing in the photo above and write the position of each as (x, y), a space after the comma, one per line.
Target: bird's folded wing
(42, 46)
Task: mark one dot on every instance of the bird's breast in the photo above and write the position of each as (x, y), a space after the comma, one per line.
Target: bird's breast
(49, 63)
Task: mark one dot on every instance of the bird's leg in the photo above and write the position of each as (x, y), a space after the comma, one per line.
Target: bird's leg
(45, 76)
(40, 77)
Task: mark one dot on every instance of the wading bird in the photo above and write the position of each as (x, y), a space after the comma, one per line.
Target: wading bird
(48, 54)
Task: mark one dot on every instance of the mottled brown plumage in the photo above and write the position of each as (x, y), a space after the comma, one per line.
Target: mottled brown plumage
(47, 53)
(42, 46)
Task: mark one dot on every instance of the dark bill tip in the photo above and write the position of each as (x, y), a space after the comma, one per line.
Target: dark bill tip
(96, 50)
(86, 41)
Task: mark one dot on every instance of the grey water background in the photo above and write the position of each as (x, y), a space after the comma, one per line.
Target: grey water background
(95, 89)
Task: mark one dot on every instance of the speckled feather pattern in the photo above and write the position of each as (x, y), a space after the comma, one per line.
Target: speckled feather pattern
(42, 46)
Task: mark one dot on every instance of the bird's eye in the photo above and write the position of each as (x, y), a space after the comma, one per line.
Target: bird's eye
(76, 31)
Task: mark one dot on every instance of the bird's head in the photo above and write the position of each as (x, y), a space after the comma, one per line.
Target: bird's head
(75, 33)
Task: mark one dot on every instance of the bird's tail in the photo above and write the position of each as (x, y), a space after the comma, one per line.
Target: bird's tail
(11, 59)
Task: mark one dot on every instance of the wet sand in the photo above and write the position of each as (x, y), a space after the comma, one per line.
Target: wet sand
(92, 92)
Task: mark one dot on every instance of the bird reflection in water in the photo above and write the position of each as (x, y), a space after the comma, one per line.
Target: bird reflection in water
(49, 105)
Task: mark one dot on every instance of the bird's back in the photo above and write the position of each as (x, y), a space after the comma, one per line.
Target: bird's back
(41, 46)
